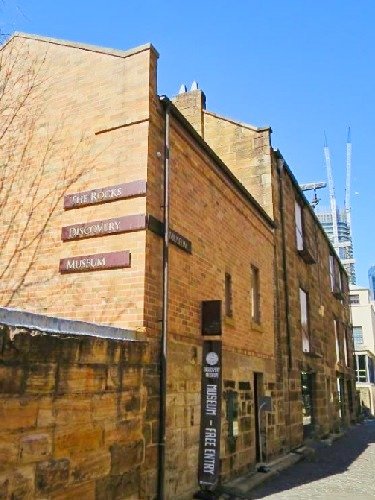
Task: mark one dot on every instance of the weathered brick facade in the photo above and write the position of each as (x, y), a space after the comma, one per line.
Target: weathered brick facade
(233, 203)
(263, 171)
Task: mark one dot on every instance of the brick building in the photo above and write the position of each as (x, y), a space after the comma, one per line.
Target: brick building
(123, 209)
(314, 348)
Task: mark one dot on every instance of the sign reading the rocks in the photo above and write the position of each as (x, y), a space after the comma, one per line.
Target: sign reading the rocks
(97, 262)
(102, 227)
(105, 195)
(209, 446)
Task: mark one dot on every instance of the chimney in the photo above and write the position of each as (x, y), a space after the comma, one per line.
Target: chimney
(191, 104)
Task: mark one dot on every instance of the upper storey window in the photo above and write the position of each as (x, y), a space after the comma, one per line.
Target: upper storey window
(299, 226)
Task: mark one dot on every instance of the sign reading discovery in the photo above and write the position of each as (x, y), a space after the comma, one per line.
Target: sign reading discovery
(124, 224)
(209, 446)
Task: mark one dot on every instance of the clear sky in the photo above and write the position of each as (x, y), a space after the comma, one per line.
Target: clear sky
(301, 66)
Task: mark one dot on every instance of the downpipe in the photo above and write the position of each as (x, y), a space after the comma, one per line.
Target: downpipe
(164, 333)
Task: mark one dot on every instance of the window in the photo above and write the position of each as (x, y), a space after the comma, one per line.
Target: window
(357, 335)
(332, 271)
(354, 299)
(371, 372)
(361, 374)
(255, 295)
(335, 329)
(228, 295)
(346, 350)
(299, 226)
(303, 298)
(335, 277)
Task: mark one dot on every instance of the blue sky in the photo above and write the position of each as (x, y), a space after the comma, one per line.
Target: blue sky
(301, 66)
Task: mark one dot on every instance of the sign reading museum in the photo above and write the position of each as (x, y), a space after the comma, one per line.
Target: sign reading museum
(96, 262)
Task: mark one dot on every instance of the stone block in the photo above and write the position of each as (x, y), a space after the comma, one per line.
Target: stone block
(51, 475)
(11, 379)
(40, 378)
(125, 457)
(45, 414)
(93, 351)
(8, 450)
(118, 487)
(152, 409)
(90, 466)
(70, 441)
(18, 484)
(114, 377)
(130, 402)
(105, 406)
(18, 413)
(81, 379)
(84, 491)
(35, 447)
(136, 353)
(71, 410)
(123, 431)
(131, 378)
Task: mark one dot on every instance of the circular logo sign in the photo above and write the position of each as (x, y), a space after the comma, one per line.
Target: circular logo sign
(212, 358)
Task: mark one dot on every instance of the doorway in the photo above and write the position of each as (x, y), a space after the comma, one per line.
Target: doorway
(258, 393)
(307, 388)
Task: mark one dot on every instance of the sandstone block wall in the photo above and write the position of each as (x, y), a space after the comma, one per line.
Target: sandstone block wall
(323, 307)
(78, 417)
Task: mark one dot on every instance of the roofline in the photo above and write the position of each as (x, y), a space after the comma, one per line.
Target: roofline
(84, 46)
(213, 156)
(235, 122)
(307, 204)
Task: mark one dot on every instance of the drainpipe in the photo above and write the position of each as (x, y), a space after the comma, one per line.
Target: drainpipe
(285, 273)
(163, 346)
(286, 282)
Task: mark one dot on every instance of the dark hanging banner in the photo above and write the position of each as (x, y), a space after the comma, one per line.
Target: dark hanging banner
(209, 446)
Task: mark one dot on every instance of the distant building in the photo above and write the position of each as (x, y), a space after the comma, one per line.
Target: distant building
(344, 249)
(371, 278)
(363, 318)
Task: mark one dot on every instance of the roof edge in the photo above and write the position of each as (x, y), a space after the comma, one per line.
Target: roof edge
(308, 205)
(235, 122)
(219, 162)
(84, 46)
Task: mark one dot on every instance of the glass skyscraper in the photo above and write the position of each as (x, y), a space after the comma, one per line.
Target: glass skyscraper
(371, 278)
(344, 249)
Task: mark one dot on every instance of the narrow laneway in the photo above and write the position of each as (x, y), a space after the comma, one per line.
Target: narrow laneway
(344, 470)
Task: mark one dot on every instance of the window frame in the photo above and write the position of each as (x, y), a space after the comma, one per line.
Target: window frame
(305, 321)
(228, 295)
(299, 226)
(255, 295)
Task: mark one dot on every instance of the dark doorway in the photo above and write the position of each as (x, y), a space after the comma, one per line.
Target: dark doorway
(258, 393)
(341, 397)
(307, 388)
(350, 396)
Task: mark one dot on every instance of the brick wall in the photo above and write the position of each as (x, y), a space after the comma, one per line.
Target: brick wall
(84, 126)
(226, 232)
(78, 416)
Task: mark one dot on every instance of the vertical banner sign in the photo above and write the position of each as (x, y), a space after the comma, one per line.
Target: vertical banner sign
(209, 446)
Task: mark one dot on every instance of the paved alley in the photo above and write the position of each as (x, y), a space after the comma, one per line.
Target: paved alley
(344, 470)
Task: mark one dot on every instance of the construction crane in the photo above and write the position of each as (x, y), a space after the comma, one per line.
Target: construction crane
(332, 196)
(347, 186)
(313, 186)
